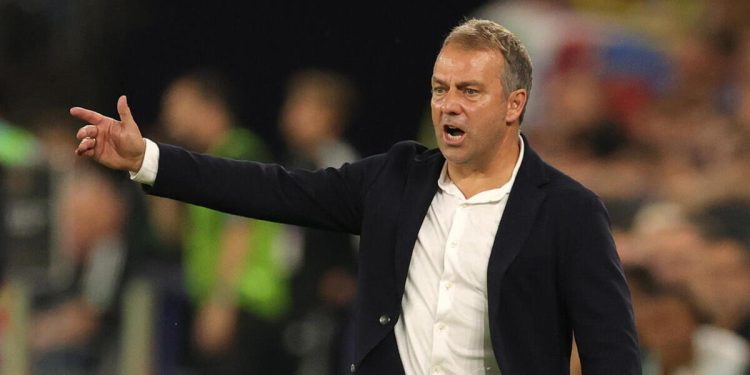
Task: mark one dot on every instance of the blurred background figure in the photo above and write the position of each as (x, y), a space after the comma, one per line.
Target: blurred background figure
(314, 116)
(17, 145)
(237, 291)
(724, 288)
(676, 336)
(19, 153)
(76, 321)
(691, 286)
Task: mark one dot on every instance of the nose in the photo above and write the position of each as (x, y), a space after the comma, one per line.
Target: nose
(450, 104)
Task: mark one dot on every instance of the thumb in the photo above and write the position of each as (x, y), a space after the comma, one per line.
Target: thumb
(124, 110)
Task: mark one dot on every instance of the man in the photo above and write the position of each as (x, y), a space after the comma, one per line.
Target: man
(238, 292)
(316, 111)
(444, 285)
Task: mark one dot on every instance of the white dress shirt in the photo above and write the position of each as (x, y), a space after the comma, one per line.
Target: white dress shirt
(444, 324)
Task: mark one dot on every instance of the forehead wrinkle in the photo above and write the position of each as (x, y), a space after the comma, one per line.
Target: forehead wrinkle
(477, 61)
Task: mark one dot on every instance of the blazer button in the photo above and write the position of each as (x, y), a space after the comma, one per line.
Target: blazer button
(353, 368)
(384, 320)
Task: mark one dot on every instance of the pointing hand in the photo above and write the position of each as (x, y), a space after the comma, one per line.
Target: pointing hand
(112, 143)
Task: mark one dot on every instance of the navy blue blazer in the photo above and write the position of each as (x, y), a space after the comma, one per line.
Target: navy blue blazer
(553, 270)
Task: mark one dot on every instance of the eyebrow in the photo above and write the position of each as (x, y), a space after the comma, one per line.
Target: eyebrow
(460, 85)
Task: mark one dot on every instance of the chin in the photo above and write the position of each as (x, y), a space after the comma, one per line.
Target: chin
(453, 156)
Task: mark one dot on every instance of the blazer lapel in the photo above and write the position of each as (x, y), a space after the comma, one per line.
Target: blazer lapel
(515, 225)
(421, 185)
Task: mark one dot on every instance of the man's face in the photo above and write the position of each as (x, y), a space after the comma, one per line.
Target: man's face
(469, 105)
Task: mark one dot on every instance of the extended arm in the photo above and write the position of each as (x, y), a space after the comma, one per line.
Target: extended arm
(328, 198)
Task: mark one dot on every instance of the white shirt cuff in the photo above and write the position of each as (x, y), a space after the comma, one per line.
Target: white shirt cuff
(147, 174)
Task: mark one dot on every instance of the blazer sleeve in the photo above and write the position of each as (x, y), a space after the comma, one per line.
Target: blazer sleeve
(597, 295)
(328, 198)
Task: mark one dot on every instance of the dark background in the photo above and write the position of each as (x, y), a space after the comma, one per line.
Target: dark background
(91, 52)
(387, 47)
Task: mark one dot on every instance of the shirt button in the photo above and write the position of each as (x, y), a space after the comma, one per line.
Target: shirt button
(437, 370)
(448, 285)
(384, 320)
(441, 326)
(353, 368)
(454, 243)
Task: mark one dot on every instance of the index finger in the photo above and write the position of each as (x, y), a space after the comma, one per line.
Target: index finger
(86, 115)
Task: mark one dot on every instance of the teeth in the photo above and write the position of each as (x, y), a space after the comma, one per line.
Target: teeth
(453, 131)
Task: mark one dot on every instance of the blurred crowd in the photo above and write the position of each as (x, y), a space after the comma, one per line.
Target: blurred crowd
(224, 295)
(645, 102)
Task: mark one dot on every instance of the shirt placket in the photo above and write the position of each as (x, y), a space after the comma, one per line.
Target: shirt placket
(441, 330)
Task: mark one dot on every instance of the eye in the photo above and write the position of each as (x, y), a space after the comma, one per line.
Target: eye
(471, 92)
(438, 90)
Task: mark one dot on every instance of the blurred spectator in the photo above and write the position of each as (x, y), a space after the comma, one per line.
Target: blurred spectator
(675, 336)
(565, 37)
(701, 251)
(313, 119)
(18, 150)
(669, 244)
(52, 127)
(237, 290)
(725, 285)
(724, 289)
(73, 263)
(74, 329)
(17, 145)
(18, 156)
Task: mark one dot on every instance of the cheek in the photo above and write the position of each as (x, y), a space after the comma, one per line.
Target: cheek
(435, 115)
(435, 108)
(496, 113)
(485, 110)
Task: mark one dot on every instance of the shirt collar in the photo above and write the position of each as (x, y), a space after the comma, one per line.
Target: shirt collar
(487, 196)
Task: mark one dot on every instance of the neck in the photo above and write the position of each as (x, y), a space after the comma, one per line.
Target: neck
(474, 179)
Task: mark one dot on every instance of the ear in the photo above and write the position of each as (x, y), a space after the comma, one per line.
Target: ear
(516, 104)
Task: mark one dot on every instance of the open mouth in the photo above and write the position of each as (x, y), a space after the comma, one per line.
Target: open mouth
(453, 133)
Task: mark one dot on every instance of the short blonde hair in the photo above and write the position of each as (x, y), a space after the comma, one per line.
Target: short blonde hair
(483, 34)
